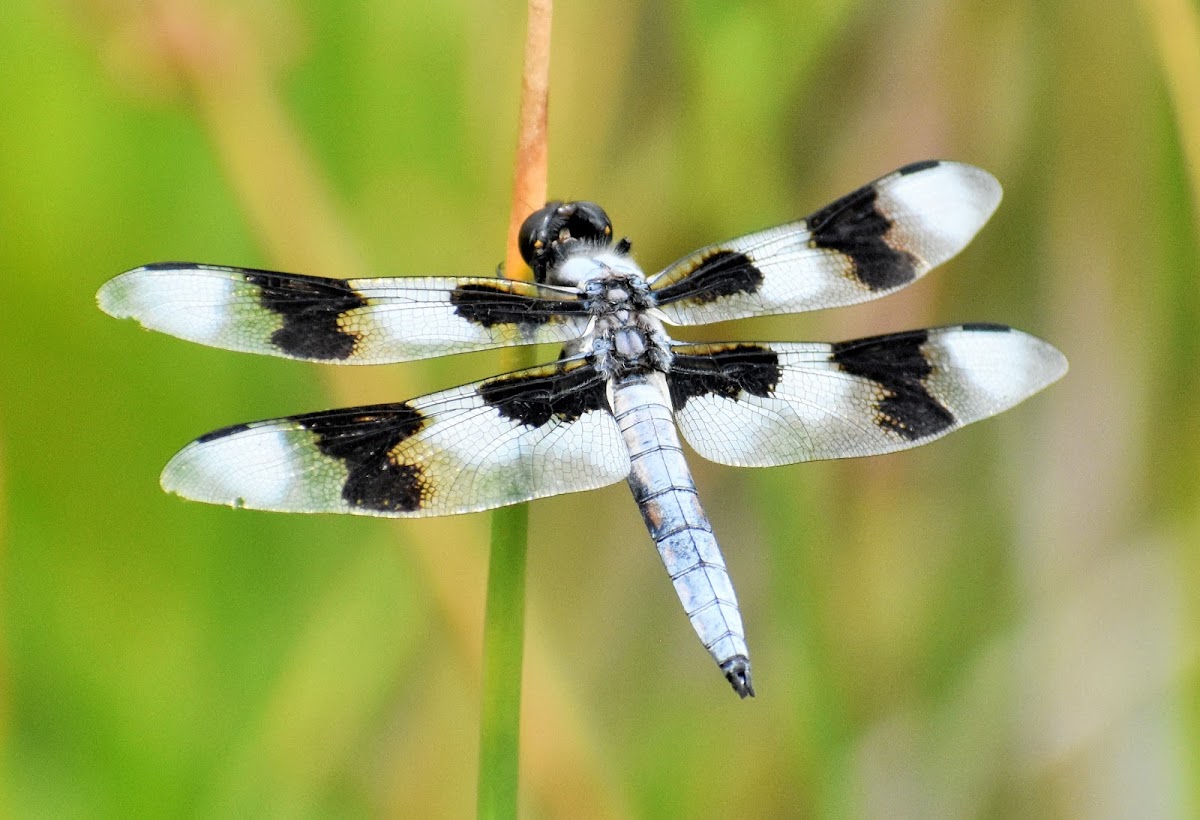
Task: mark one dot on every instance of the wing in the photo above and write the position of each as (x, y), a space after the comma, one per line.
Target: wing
(759, 405)
(865, 245)
(343, 321)
(511, 438)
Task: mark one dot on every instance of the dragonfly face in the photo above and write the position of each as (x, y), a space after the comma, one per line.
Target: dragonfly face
(550, 233)
(612, 406)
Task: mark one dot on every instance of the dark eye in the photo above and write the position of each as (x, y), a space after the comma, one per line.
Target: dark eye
(548, 232)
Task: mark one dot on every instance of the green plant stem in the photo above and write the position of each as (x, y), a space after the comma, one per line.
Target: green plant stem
(503, 650)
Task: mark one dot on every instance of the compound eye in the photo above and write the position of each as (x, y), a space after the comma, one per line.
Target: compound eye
(589, 222)
(533, 236)
(548, 233)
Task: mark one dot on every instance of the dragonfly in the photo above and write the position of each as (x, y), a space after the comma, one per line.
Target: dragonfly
(611, 407)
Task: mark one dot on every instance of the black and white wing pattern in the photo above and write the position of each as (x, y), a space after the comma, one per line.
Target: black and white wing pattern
(607, 410)
(754, 404)
(341, 321)
(867, 244)
(523, 435)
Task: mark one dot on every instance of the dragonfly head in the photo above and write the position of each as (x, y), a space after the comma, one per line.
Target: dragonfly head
(549, 234)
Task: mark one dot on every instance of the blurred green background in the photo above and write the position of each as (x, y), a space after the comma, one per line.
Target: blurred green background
(1003, 623)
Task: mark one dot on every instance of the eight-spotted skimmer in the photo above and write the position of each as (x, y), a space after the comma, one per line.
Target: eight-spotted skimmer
(609, 407)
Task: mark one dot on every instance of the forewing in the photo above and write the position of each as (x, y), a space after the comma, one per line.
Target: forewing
(759, 405)
(341, 321)
(867, 244)
(511, 438)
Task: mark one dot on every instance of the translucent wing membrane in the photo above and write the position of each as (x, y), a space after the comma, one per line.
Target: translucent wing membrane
(754, 404)
(511, 438)
(867, 244)
(342, 321)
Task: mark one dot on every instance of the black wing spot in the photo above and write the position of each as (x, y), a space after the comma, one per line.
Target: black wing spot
(896, 363)
(534, 397)
(854, 226)
(490, 305)
(310, 307)
(726, 372)
(719, 273)
(986, 327)
(363, 439)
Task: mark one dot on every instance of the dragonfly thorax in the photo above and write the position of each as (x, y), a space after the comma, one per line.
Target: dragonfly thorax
(625, 339)
(622, 335)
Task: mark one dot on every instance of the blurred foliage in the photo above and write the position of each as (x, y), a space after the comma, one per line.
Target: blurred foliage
(1004, 623)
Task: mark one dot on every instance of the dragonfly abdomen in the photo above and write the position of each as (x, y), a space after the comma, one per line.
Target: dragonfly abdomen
(663, 488)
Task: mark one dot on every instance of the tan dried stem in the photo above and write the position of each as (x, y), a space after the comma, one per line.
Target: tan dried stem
(530, 174)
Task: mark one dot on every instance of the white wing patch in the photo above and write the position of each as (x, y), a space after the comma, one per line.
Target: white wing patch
(199, 308)
(265, 466)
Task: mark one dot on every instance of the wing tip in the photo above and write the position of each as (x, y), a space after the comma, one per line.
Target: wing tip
(186, 476)
(178, 476)
(125, 295)
(1054, 362)
(972, 177)
(1051, 362)
(207, 469)
(1021, 364)
(166, 297)
(113, 295)
(139, 274)
(979, 190)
